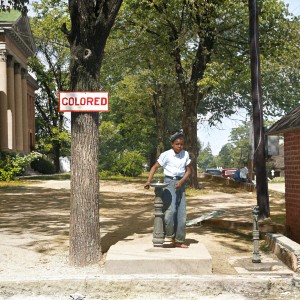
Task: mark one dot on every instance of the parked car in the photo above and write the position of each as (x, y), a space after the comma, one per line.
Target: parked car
(228, 173)
(213, 171)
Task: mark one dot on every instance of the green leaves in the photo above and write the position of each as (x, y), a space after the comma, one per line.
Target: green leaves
(12, 165)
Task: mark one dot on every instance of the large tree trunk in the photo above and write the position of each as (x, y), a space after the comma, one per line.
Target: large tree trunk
(84, 223)
(258, 126)
(91, 22)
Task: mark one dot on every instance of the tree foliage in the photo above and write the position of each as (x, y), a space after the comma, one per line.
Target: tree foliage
(206, 158)
(50, 66)
(206, 44)
(235, 153)
(224, 158)
(13, 164)
(144, 97)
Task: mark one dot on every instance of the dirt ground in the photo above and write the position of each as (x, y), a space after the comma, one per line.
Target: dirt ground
(34, 222)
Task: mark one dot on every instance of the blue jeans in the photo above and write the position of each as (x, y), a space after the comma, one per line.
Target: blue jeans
(174, 209)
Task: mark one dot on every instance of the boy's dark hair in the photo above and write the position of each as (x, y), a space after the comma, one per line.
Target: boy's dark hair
(177, 135)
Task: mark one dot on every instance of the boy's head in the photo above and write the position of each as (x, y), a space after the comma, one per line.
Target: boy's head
(177, 135)
(177, 141)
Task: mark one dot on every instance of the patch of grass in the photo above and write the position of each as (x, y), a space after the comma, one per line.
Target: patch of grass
(61, 176)
(191, 192)
(9, 184)
(121, 178)
(278, 218)
(277, 180)
(264, 247)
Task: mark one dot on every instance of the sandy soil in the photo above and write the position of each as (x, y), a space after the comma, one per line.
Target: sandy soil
(34, 222)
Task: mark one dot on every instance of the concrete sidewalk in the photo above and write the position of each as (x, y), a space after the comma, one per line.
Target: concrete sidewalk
(278, 187)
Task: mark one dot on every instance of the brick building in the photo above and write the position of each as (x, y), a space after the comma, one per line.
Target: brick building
(289, 128)
(17, 87)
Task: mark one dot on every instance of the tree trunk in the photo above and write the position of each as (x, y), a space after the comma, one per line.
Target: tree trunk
(91, 23)
(56, 155)
(189, 125)
(258, 126)
(84, 217)
(160, 121)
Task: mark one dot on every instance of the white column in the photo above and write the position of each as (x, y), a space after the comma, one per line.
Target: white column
(3, 102)
(11, 103)
(18, 108)
(25, 111)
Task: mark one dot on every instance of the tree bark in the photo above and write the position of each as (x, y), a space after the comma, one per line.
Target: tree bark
(84, 216)
(160, 120)
(189, 125)
(258, 127)
(91, 22)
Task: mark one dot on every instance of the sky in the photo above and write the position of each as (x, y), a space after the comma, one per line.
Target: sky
(219, 135)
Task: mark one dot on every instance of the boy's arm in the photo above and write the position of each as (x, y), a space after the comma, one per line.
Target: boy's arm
(151, 174)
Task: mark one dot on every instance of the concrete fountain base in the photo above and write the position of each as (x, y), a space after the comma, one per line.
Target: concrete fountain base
(136, 255)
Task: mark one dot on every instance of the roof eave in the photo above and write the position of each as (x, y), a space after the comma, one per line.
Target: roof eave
(282, 131)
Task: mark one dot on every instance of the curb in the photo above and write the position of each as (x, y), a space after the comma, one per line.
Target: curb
(132, 286)
(285, 249)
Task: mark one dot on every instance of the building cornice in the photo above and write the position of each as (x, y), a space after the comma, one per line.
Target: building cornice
(19, 42)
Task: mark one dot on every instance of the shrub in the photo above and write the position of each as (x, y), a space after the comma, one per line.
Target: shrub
(129, 164)
(105, 174)
(13, 164)
(43, 165)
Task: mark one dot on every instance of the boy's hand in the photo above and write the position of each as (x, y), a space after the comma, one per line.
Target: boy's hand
(178, 184)
(147, 185)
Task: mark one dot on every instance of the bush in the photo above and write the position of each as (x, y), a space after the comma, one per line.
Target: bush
(12, 164)
(105, 174)
(43, 165)
(129, 164)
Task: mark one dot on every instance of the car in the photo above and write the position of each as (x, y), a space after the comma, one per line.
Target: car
(228, 173)
(213, 171)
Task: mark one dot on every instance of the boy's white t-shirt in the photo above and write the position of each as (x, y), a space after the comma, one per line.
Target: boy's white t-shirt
(174, 164)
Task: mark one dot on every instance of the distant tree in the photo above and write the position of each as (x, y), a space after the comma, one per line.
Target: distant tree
(240, 139)
(144, 108)
(50, 66)
(224, 158)
(206, 158)
(145, 101)
(206, 42)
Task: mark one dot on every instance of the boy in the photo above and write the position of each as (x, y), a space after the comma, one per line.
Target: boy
(175, 163)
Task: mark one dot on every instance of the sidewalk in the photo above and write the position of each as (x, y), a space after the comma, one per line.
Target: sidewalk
(34, 247)
(278, 187)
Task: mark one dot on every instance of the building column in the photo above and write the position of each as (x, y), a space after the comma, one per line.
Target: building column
(18, 108)
(3, 102)
(11, 102)
(25, 111)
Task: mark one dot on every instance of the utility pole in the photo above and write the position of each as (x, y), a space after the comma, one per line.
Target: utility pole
(257, 116)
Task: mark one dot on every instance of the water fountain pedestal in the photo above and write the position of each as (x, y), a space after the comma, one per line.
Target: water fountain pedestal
(158, 228)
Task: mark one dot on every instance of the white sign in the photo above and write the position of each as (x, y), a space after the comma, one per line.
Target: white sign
(83, 101)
